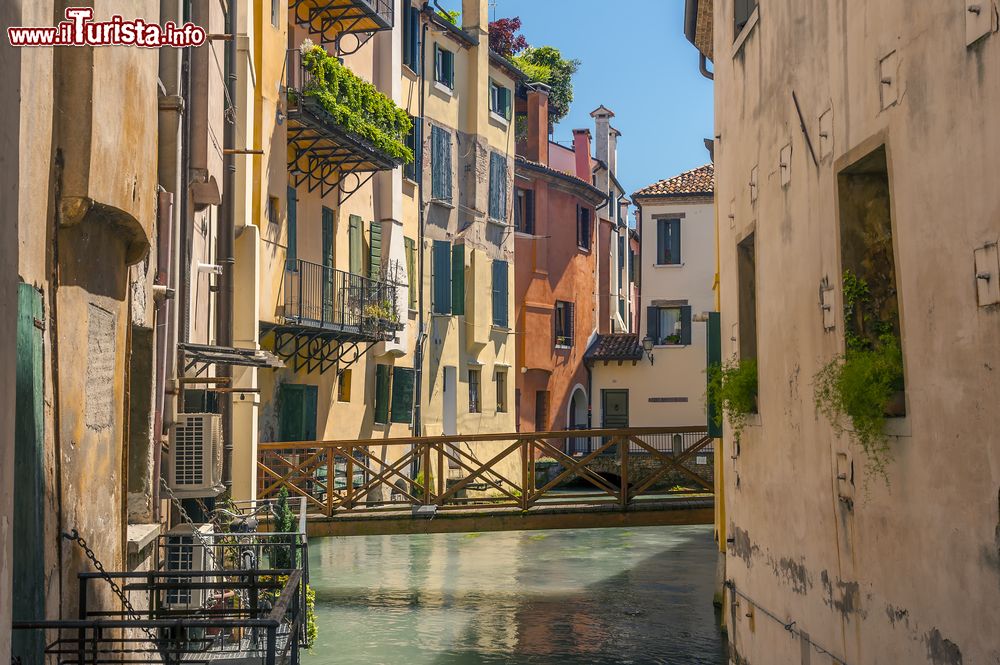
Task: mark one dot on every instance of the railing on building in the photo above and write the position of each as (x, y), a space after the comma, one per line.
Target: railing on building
(226, 594)
(516, 470)
(324, 297)
(330, 20)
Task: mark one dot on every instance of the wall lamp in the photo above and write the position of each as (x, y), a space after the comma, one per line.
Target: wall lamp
(647, 346)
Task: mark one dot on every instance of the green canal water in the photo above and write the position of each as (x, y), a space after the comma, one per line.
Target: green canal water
(595, 597)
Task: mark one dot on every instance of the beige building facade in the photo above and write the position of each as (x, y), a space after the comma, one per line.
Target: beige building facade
(859, 139)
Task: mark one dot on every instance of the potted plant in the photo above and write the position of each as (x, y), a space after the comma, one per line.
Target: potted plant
(864, 384)
(732, 387)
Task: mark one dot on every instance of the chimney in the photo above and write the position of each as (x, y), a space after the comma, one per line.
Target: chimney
(538, 124)
(613, 149)
(602, 121)
(581, 149)
(475, 16)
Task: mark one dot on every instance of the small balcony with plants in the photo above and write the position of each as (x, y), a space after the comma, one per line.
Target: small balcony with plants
(330, 21)
(339, 125)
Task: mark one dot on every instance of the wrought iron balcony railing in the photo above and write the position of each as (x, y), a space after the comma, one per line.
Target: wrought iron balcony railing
(329, 20)
(330, 299)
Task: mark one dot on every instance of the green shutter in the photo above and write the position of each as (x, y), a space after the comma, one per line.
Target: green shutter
(375, 251)
(29, 468)
(411, 270)
(714, 359)
(356, 245)
(442, 277)
(500, 300)
(653, 324)
(686, 325)
(382, 393)
(291, 253)
(402, 395)
(328, 289)
(297, 412)
(458, 279)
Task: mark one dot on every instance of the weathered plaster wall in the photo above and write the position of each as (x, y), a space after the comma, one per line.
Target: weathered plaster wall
(907, 571)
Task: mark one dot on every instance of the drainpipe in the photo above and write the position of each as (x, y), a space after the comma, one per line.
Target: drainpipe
(703, 67)
(418, 351)
(226, 242)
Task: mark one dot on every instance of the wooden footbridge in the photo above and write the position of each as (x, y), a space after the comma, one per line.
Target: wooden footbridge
(496, 482)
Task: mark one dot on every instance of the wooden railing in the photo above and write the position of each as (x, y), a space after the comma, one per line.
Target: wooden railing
(490, 471)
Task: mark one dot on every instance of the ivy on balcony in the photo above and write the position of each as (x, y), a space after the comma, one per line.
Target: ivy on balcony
(356, 104)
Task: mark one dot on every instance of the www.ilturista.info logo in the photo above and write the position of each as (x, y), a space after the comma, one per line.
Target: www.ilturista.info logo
(80, 30)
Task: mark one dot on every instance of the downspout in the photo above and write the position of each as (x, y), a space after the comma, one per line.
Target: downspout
(226, 242)
(418, 352)
(703, 67)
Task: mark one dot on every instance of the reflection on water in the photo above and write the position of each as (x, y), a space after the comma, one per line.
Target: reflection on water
(598, 596)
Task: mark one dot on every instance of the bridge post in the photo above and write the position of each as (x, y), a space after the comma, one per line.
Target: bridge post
(331, 482)
(427, 474)
(524, 474)
(623, 446)
(349, 470)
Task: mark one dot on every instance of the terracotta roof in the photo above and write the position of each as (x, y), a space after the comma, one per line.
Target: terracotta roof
(617, 346)
(570, 178)
(696, 182)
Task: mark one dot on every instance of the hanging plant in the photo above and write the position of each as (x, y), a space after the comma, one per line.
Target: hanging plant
(355, 104)
(864, 384)
(733, 389)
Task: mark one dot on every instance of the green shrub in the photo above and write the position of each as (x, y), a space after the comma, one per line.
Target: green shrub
(860, 383)
(355, 104)
(419, 480)
(733, 389)
(283, 551)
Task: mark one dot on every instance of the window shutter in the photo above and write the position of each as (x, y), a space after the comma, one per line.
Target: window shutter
(500, 293)
(714, 353)
(579, 226)
(402, 395)
(355, 245)
(418, 150)
(686, 325)
(458, 279)
(653, 324)
(411, 270)
(438, 69)
(309, 422)
(494, 187)
(571, 322)
(520, 209)
(529, 211)
(291, 253)
(661, 241)
(442, 277)
(382, 393)
(375, 250)
(675, 241)
(506, 103)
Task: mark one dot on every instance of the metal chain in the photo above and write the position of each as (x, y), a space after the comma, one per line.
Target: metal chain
(75, 536)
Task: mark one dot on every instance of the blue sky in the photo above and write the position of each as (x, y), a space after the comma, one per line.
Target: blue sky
(643, 69)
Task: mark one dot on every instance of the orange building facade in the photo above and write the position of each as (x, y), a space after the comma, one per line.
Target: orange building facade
(555, 285)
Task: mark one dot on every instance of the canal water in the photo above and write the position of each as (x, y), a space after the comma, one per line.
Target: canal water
(594, 597)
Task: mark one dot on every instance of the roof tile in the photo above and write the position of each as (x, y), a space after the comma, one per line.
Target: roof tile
(696, 182)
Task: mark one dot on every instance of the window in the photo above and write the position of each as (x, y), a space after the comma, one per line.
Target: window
(414, 142)
(631, 265)
(541, 410)
(501, 381)
(410, 247)
(276, 12)
(297, 412)
(500, 100)
(402, 395)
(743, 10)
(500, 299)
(669, 325)
(291, 242)
(612, 208)
(475, 406)
(355, 245)
(458, 279)
(668, 242)
(440, 164)
(383, 374)
(273, 210)
(441, 277)
(524, 211)
(564, 324)
(411, 36)
(444, 67)
(583, 227)
(498, 187)
(621, 260)
(746, 271)
(344, 386)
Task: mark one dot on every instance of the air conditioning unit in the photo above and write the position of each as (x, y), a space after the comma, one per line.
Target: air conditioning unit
(195, 466)
(186, 551)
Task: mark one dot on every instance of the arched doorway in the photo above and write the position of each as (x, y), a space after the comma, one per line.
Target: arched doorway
(577, 419)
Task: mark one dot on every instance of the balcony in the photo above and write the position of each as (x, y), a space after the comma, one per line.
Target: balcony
(341, 129)
(228, 595)
(328, 315)
(330, 20)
